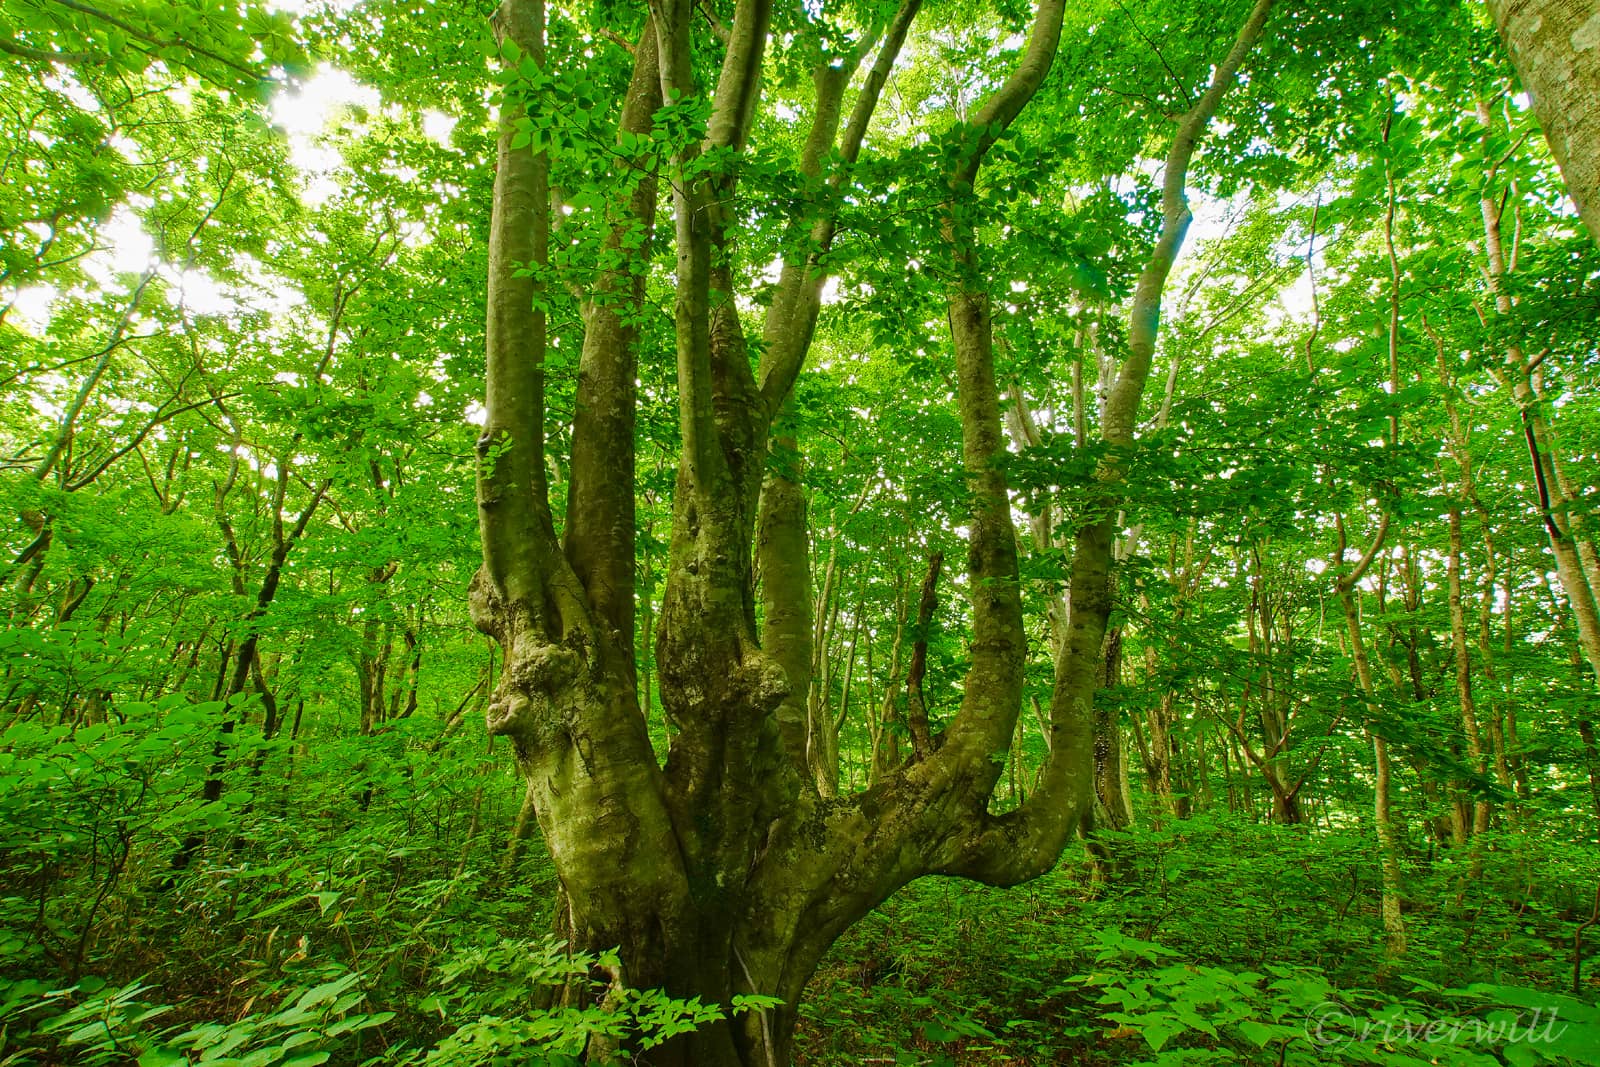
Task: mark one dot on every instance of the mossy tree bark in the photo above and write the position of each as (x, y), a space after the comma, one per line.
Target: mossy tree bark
(726, 869)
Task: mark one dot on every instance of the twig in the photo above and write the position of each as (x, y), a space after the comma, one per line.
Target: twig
(1577, 941)
(150, 38)
(22, 51)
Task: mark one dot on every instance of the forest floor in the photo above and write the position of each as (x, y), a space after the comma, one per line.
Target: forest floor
(385, 926)
(1218, 941)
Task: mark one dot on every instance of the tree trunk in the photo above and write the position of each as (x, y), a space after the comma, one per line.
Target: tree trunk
(726, 870)
(1555, 46)
(1519, 371)
(1463, 668)
(1394, 928)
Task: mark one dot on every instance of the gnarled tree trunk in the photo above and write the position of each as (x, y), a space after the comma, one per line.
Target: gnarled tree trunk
(726, 869)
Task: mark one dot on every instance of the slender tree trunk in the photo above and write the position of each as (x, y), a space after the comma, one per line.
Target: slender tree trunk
(1463, 667)
(1394, 928)
(888, 721)
(916, 703)
(1519, 369)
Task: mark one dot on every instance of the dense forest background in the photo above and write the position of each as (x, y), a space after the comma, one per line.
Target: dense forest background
(1345, 775)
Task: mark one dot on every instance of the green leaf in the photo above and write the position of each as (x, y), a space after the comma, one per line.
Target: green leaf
(1157, 1030)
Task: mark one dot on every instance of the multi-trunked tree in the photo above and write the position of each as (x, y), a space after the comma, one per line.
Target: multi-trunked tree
(725, 869)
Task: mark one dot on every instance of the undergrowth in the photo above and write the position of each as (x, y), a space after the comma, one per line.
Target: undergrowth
(353, 905)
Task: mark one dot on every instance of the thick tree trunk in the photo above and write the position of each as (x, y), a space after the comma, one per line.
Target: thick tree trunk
(727, 870)
(784, 552)
(1555, 46)
(600, 532)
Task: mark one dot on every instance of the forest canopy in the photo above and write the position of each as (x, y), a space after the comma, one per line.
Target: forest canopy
(726, 533)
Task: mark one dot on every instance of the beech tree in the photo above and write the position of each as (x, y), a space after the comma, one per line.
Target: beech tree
(876, 479)
(1555, 45)
(724, 869)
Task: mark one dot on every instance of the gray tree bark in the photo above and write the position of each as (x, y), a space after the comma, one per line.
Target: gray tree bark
(1555, 46)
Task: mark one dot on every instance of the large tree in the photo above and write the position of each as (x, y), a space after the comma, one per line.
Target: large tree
(725, 869)
(231, 602)
(1555, 45)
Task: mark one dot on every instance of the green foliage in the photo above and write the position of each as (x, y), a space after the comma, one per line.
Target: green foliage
(239, 373)
(493, 992)
(1188, 1013)
(1219, 941)
(92, 1023)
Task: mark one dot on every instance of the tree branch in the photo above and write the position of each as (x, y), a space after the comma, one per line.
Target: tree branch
(22, 51)
(159, 42)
